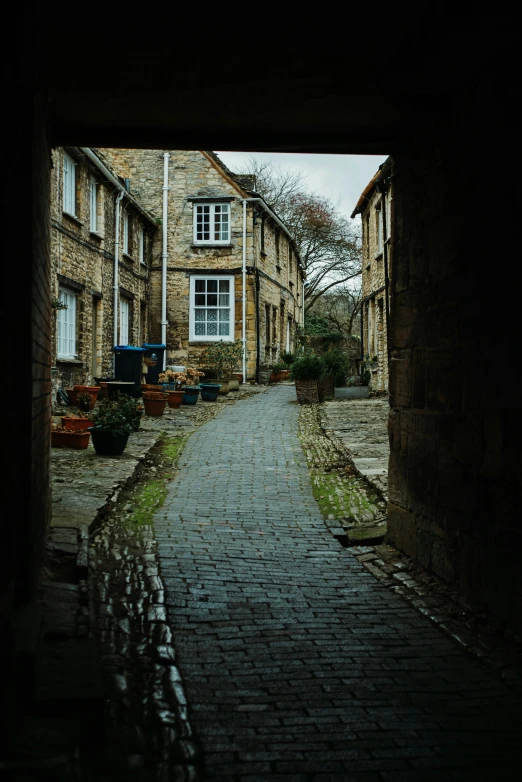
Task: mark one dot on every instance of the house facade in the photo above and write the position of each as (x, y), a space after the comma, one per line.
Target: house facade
(375, 207)
(101, 243)
(223, 266)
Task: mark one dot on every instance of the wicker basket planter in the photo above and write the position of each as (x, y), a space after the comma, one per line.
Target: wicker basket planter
(309, 392)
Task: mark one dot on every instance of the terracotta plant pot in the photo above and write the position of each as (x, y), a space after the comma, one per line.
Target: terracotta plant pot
(150, 387)
(154, 402)
(69, 439)
(175, 398)
(72, 395)
(75, 424)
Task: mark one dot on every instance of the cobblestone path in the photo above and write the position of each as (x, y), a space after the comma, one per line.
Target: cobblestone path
(296, 662)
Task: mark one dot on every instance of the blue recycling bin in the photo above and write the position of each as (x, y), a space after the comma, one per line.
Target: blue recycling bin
(154, 360)
(127, 365)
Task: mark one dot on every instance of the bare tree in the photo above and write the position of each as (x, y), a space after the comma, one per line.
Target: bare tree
(329, 244)
(340, 308)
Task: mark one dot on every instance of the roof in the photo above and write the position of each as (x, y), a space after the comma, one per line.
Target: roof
(368, 191)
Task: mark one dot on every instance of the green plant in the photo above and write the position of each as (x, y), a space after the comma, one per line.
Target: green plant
(58, 304)
(224, 357)
(288, 358)
(119, 415)
(278, 367)
(307, 367)
(336, 364)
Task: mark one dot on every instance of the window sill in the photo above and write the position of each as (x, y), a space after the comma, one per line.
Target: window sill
(263, 253)
(206, 340)
(368, 267)
(68, 360)
(127, 257)
(96, 235)
(73, 218)
(378, 256)
(278, 269)
(210, 245)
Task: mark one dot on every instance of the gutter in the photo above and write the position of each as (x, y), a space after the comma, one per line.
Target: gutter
(110, 176)
(116, 278)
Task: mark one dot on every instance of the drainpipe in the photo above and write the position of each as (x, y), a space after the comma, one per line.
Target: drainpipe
(362, 336)
(164, 256)
(258, 326)
(243, 293)
(116, 277)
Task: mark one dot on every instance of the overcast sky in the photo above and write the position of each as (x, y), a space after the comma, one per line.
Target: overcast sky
(342, 178)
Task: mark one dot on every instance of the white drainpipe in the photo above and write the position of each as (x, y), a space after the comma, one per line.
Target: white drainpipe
(164, 256)
(243, 321)
(116, 275)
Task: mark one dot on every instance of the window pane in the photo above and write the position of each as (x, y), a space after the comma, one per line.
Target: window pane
(212, 300)
(212, 315)
(199, 315)
(200, 286)
(199, 299)
(224, 286)
(212, 329)
(224, 315)
(212, 286)
(224, 329)
(223, 299)
(200, 329)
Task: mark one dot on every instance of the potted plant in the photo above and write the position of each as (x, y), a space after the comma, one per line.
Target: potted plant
(307, 371)
(209, 391)
(336, 367)
(264, 373)
(113, 421)
(85, 401)
(276, 373)
(155, 402)
(76, 422)
(67, 438)
(223, 358)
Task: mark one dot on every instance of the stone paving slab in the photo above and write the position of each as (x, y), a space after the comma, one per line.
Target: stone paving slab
(360, 425)
(297, 661)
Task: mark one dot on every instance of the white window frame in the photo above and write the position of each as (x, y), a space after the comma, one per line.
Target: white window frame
(66, 325)
(69, 185)
(125, 233)
(193, 337)
(124, 320)
(141, 245)
(214, 211)
(93, 204)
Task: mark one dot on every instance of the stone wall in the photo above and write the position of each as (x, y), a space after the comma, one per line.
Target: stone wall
(273, 277)
(454, 483)
(83, 261)
(375, 324)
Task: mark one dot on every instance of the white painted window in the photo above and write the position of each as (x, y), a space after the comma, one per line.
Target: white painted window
(69, 185)
(67, 324)
(126, 233)
(141, 243)
(93, 204)
(212, 224)
(211, 308)
(124, 321)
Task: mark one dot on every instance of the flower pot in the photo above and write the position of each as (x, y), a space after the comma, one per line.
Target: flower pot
(175, 398)
(224, 386)
(107, 443)
(275, 377)
(309, 392)
(190, 395)
(209, 391)
(93, 391)
(151, 387)
(72, 396)
(264, 376)
(75, 424)
(154, 402)
(233, 383)
(69, 439)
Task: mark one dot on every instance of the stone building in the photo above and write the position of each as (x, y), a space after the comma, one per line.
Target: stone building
(375, 208)
(224, 266)
(97, 303)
